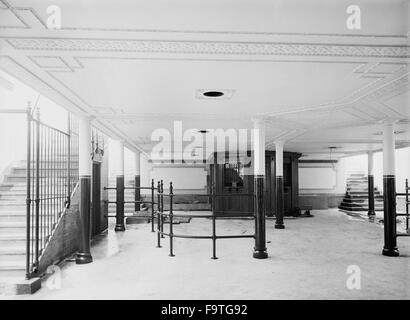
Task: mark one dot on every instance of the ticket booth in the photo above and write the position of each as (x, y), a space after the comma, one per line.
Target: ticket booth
(235, 176)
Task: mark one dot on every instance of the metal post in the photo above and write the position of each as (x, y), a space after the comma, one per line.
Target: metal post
(152, 205)
(162, 208)
(370, 183)
(389, 192)
(37, 196)
(68, 162)
(407, 206)
(214, 235)
(171, 228)
(159, 217)
(214, 207)
(28, 193)
(137, 182)
(119, 225)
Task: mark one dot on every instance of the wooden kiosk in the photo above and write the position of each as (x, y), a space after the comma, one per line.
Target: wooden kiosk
(235, 177)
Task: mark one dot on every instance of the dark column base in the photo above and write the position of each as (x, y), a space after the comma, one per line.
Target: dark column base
(370, 180)
(84, 254)
(260, 228)
(120, 226)
(389, 199)
(391, 252)
(260, 254)
(83, 258)
(279, 203)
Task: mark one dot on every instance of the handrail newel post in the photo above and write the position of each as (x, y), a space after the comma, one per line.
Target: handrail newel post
(159, 216)
(152, 205)
(171, 227)
(28, 194)
(161, 206)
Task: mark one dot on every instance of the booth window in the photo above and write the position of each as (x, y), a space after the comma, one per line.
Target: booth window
(233, 175)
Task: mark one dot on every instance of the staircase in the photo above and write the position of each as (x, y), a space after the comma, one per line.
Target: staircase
(356, 197)
(13, 219)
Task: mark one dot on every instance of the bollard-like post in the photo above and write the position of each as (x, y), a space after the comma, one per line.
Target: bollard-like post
(162, 208)
(159, 216)
(152, 205)
(171, 219)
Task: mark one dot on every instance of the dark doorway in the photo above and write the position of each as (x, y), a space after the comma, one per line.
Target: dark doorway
(96, 199)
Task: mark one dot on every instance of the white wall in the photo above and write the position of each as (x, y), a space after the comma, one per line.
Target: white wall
(184, 178)
(322, 177)
(13, 127)
(13, 132)
(319, 183)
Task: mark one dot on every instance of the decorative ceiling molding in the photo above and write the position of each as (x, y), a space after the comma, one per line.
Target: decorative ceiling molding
(210, 47)
(4, 5)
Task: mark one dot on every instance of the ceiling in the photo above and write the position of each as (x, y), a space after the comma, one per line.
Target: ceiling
(136, 66)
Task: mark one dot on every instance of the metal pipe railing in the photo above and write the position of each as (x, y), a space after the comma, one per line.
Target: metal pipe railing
(162, 215)
(119, 202)
(49, 182)
(159, 216)
(405, 214)
(28, 194)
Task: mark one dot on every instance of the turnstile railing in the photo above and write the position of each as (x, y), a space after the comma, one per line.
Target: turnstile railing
(119, 202)
(405, 214)
(170, 215)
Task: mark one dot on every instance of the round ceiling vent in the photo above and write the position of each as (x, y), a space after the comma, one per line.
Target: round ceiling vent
(213, 94)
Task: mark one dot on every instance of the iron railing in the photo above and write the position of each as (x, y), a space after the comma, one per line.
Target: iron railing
(170, 215)
(52, 173)
(405, 214)
(119, 202)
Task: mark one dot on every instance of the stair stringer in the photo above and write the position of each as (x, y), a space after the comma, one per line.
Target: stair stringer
(63, 241)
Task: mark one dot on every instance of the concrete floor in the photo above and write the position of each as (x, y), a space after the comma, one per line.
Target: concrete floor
(307, 260)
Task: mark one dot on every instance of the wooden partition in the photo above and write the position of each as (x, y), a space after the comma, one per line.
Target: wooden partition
(229, 178)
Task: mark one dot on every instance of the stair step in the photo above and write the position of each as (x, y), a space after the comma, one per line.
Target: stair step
(12, 250)
(12, 218)
(10, 266)
(352, 209)
(20, 225)
(13, 237)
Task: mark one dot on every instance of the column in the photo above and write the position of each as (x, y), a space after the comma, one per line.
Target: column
(137, 180)
(370, 183)
(119, 224)
(389, 192)
(84, 253)
(259, 167)
(279, 185)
